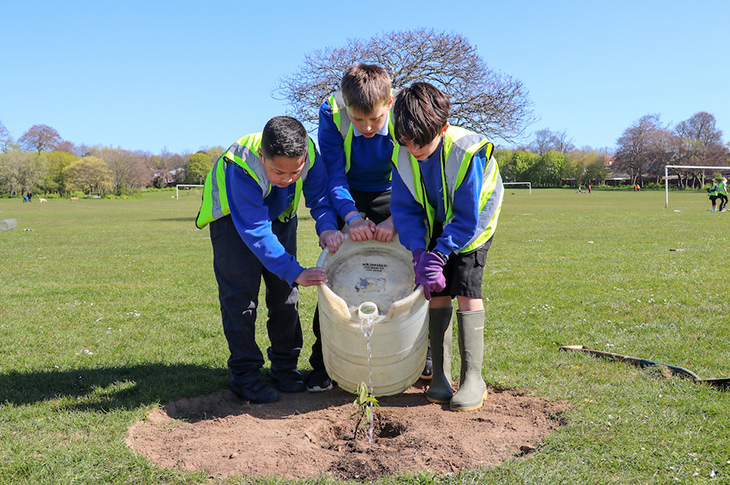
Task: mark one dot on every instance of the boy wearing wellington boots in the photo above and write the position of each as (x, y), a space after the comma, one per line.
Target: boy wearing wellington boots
(356, 141)
(250, 198)
(446, 199)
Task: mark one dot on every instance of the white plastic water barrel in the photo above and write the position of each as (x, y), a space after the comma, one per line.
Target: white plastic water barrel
(380, 273)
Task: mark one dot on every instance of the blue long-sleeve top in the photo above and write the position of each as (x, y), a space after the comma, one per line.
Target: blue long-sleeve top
(252, 214)
(370, 163)
(410, 217)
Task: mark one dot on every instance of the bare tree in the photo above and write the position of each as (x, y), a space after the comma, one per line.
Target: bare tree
(6, 141)
(40, 138)
(542, 142)
(129, 169)
(643, 148)
(562, 143)
(483, 100)
(700, 144)
(547, 141)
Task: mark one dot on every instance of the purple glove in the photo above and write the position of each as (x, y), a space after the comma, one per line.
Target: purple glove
(430, 273)
(417, 254)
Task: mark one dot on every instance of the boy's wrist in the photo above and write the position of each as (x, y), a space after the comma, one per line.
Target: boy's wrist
(441, 255)
(353, 217)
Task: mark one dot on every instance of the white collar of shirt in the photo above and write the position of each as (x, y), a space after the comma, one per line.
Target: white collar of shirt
(383, 131)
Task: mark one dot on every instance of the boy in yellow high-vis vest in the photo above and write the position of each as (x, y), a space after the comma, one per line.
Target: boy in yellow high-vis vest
(356, 143)
(446, 199)
(250, 200)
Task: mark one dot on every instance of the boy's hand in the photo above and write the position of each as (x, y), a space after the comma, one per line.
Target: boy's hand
(385, 231)
(331, 239)
(361, 229)
(312, 277)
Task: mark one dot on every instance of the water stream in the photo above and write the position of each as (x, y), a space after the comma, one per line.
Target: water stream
(368, 312)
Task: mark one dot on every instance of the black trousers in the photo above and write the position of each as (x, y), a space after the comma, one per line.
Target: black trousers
(238, 273)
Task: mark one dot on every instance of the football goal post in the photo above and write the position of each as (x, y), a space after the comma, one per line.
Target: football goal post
(177, 189)
(689, 167)
(529, 185)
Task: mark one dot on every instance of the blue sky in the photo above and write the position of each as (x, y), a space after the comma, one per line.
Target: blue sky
(149, 75)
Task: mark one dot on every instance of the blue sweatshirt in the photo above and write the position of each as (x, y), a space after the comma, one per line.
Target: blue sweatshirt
(252, 215)
(410, 217)
(370, 164)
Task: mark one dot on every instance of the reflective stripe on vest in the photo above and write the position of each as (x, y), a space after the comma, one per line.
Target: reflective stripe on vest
(344, 125)
(244, 153)
(459, 148)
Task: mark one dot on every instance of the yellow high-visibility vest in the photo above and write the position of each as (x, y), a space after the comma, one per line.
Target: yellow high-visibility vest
(459, 147)
(344, 125)
(244, 153)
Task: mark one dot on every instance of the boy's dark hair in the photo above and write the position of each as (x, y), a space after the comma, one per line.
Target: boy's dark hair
(365, 86)
(420, 112)
(284, 136)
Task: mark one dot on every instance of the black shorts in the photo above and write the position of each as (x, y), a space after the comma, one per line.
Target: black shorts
(374, 205)
(464, 272)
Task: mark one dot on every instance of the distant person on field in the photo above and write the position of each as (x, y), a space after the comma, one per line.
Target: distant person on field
(722, 194)
(356, 141)
(590, 189)
(713, 195)
(447, 196)
(30, 196)
(250, 199)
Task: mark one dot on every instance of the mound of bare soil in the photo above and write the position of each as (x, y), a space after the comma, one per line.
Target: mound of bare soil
(304, 435)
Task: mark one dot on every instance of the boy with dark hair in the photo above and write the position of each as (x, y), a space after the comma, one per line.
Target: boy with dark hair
(250, 200)
(447, 196)
(357, 145)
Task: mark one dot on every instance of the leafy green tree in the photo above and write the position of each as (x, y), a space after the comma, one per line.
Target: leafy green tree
(20, 171)
(198, 167)
(555, 166)
(596, 172)
(89, 174)
(11, 163)
(56, 162)
(523, 166)
(504, 161)
(215, 152)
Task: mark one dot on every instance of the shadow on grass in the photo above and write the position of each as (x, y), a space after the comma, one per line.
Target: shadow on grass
(109, 388)
(190, 219)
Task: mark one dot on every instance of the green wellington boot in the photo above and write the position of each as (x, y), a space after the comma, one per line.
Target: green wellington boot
(472, 389)
(439, 331)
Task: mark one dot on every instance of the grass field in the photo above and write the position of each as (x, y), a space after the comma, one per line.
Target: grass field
(109, 308)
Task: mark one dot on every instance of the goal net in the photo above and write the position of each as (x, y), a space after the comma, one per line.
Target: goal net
(188, 189)
(686, 167)
(529, 185)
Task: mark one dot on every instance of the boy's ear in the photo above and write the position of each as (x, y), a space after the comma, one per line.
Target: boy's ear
(261, 155)
(443, 130)
(390, 102)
